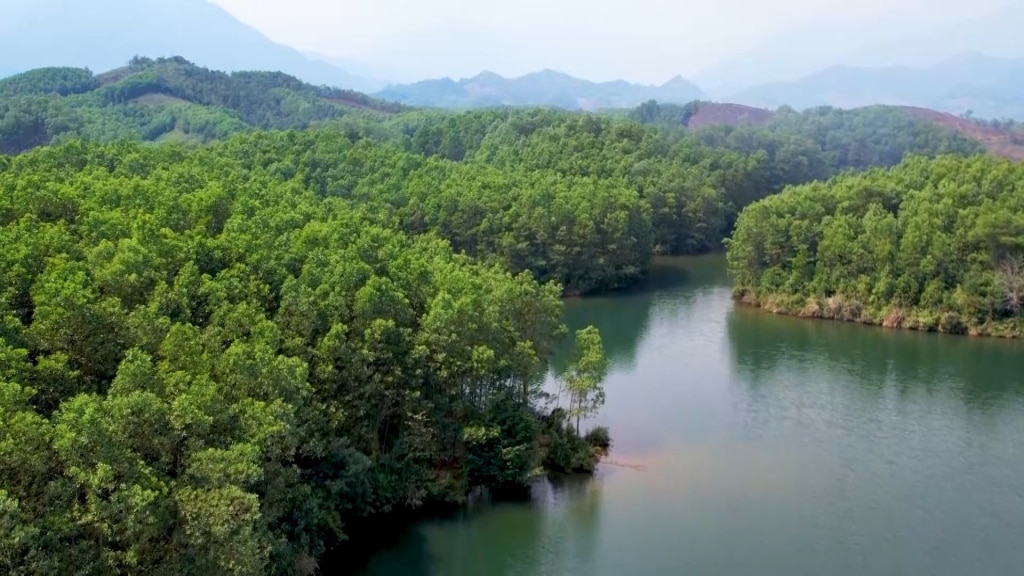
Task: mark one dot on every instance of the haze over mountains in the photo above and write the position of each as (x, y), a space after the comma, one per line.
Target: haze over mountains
(986, 86)
(546, 87)
(867, 43)
(977, 65)
(105, 34)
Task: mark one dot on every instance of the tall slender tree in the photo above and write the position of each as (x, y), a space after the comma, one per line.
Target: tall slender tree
(584, 379)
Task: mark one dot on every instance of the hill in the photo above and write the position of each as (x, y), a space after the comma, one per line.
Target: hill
(544, 88)
(932, 245)
(1000, 138)
(163, 99)
(984, 85)
(103, 34)
(998, 141)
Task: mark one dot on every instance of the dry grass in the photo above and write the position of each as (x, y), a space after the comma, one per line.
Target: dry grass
(895, 318)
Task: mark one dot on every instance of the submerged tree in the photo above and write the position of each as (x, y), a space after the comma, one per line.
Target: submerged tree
(584, 378)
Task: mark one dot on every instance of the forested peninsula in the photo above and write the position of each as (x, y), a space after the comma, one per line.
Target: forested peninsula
(934, 245)
(239, 314)
(207, 366)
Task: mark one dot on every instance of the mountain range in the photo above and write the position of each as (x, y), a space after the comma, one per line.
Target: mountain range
(971, 83)
(544, 88)
(45, 33)
(890, 41)
(987, 86)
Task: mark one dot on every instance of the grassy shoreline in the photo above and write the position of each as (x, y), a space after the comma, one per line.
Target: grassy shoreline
(841, 309)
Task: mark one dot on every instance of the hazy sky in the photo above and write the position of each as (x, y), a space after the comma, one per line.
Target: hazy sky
(639, 40)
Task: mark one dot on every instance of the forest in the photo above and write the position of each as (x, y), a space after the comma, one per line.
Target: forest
(934, 245)
(240, 315)
(209, 367)
(580, 199)
(163, 99)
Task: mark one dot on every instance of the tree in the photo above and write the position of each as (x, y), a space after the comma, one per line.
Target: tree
(584, 378)
(1011, 283)
(934, 245)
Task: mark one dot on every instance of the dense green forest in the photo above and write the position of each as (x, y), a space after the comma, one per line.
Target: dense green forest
(685, 187)
(933, 245)
(305, 307)
(208, 365)
(163, 99)
(580, 199)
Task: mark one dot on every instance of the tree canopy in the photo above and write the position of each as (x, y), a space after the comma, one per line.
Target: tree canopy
(930, 244)
(209, 365)
(164, 99)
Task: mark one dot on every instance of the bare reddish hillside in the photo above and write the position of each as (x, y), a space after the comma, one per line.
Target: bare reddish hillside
(997, 142)
(729, 114)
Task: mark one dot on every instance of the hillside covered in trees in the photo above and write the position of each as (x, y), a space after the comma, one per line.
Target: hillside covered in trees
(580, 199)
(171, 99)
(1004, 138)
(934, 245)
(163, 99)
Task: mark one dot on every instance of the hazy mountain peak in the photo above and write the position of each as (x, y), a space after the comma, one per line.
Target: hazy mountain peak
(986, 85)
(87, 34)
(488, 75)
(677, 82)
(549, 74)
(546, 87)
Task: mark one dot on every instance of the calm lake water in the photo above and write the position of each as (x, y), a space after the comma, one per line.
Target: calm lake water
(746, 443)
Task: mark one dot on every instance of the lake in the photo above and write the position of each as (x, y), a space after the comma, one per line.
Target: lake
(747, 443)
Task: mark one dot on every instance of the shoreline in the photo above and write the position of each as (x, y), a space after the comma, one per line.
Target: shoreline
(850, 311)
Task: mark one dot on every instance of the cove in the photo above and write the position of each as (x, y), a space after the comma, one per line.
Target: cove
(750, 443)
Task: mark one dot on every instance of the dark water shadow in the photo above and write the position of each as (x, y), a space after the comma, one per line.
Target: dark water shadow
(984, 372)
(386, 544)
(490, 536)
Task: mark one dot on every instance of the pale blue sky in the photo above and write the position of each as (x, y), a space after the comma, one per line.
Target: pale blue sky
(640, 40)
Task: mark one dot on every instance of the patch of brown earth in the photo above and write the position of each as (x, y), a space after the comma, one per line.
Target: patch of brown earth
(715, 114)
(998, 142)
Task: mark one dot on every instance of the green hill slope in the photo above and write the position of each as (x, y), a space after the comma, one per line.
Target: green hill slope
(163, 99)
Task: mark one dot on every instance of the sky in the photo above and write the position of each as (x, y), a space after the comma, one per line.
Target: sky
(647, 41)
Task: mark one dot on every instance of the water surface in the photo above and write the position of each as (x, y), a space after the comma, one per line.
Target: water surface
(764, 445)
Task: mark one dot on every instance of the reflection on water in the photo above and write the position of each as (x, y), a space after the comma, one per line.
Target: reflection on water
(766, 445)
(625, 317)
(554, 533)
(982, 372)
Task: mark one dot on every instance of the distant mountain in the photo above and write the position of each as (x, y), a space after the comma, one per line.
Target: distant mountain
(896, 40)
(987, 86)
(996, 33)
(544, 88)
(104, 34)
(791, 55)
